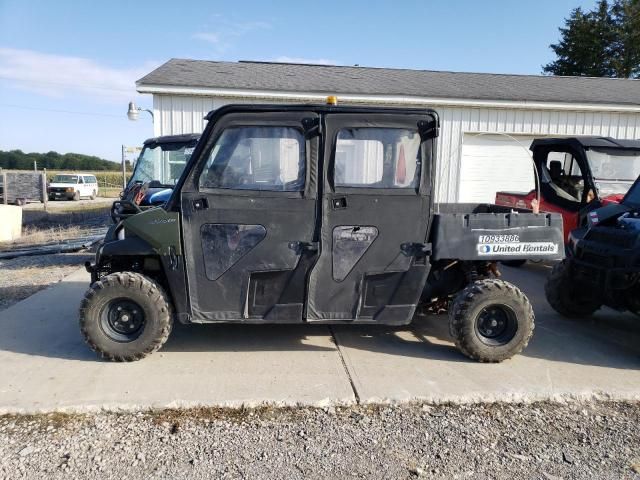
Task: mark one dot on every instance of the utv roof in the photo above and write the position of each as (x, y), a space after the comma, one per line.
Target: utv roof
(184, 138)
(318, 108)
(586, 142)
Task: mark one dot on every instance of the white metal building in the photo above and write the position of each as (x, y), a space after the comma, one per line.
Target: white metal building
(474, 162)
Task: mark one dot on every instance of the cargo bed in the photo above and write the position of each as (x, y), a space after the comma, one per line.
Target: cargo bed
(492, 232)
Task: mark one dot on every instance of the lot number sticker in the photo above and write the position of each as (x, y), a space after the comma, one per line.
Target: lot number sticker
(511, 245)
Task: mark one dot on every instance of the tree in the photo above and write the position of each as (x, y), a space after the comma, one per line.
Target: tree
(18, 160)
(604, 42)
(626, 20)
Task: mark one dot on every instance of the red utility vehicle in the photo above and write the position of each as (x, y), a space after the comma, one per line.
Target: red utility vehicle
(577, 175)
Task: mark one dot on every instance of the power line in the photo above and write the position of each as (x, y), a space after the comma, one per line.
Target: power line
(91, 114)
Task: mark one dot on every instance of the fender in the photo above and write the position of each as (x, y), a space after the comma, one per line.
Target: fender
(127, 246)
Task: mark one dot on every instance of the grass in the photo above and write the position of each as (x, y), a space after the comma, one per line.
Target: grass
(84, 207)
(34, 235)
(109, 192)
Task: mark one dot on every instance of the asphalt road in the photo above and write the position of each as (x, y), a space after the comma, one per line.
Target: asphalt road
(46, 366)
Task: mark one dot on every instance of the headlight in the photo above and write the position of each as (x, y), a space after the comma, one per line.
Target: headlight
(70, 189)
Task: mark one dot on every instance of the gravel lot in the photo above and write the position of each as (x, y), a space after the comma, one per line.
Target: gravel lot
(545, 441)
(23, 276)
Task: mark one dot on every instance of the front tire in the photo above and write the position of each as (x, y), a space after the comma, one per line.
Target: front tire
(566, 297)
(125, 316)
(76, 196)
(93, 195)
(491, 321)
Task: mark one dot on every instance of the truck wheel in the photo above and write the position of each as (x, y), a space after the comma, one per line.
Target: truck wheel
(76, 196)
(125, 316)
(491, 320)
(93, 195)
(566, 297)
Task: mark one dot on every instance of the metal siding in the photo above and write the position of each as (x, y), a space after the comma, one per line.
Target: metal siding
(176, 114)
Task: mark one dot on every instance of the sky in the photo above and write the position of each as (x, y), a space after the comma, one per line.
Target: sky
(68, 68)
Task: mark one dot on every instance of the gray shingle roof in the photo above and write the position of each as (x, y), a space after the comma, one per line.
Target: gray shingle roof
(386, 81)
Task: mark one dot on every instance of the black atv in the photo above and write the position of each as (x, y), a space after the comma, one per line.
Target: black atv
(314, 214)
(603, 262)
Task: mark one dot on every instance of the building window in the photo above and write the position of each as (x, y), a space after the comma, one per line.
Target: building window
(377, 158)
(257, 158)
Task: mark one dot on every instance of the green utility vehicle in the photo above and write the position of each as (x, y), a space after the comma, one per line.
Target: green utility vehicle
(314, 214)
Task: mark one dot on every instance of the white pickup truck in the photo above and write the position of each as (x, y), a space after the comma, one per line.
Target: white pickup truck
(73, 186)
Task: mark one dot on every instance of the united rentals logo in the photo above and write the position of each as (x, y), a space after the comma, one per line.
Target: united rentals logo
(508, 245)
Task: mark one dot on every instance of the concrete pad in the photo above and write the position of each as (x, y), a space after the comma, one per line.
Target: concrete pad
(592, 358)
(46, 366)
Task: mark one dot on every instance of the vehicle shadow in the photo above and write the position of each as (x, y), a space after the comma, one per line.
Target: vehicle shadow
(48, 327)
(607, 339)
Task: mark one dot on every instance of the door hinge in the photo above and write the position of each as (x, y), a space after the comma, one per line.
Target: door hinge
(428, 129)
(312, 127)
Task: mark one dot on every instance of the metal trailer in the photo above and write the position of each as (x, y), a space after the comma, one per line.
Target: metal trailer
(19, 187)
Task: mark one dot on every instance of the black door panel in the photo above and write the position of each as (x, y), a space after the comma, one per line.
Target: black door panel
(242, 216)
(373, 203)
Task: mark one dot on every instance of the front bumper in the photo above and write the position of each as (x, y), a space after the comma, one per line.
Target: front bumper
(602, 277)
(60, 195)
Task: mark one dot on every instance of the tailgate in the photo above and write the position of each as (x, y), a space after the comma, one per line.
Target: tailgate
(497, 236)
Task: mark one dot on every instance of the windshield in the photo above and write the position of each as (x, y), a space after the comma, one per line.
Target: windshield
(163, 163)
(65, 179)
(633, 196)
(614, 170)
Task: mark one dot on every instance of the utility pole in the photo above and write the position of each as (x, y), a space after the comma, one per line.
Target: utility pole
(124, 169)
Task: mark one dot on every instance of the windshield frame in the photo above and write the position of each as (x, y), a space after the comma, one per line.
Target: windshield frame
(613, 152)
(164, 147)
(626, 200)
(618, 152)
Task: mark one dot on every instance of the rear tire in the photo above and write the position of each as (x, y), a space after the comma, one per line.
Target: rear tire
(125, 316)
(565, 298)
(93, 195)
(491, 321)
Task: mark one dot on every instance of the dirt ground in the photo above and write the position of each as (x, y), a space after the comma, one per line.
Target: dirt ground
(62, 221)
(482, 441)
(22, 277)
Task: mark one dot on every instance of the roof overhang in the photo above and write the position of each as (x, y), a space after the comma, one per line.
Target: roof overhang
(355, 98)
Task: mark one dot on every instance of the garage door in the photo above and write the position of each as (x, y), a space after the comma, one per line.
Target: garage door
(494, 163)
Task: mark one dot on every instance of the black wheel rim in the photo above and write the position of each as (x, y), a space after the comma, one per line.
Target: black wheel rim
(496, 325)
(122, 320)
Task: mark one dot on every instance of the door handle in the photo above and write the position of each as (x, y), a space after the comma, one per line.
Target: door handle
(411, 249)
(339, 203)
(200, 204)
(300, 247)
